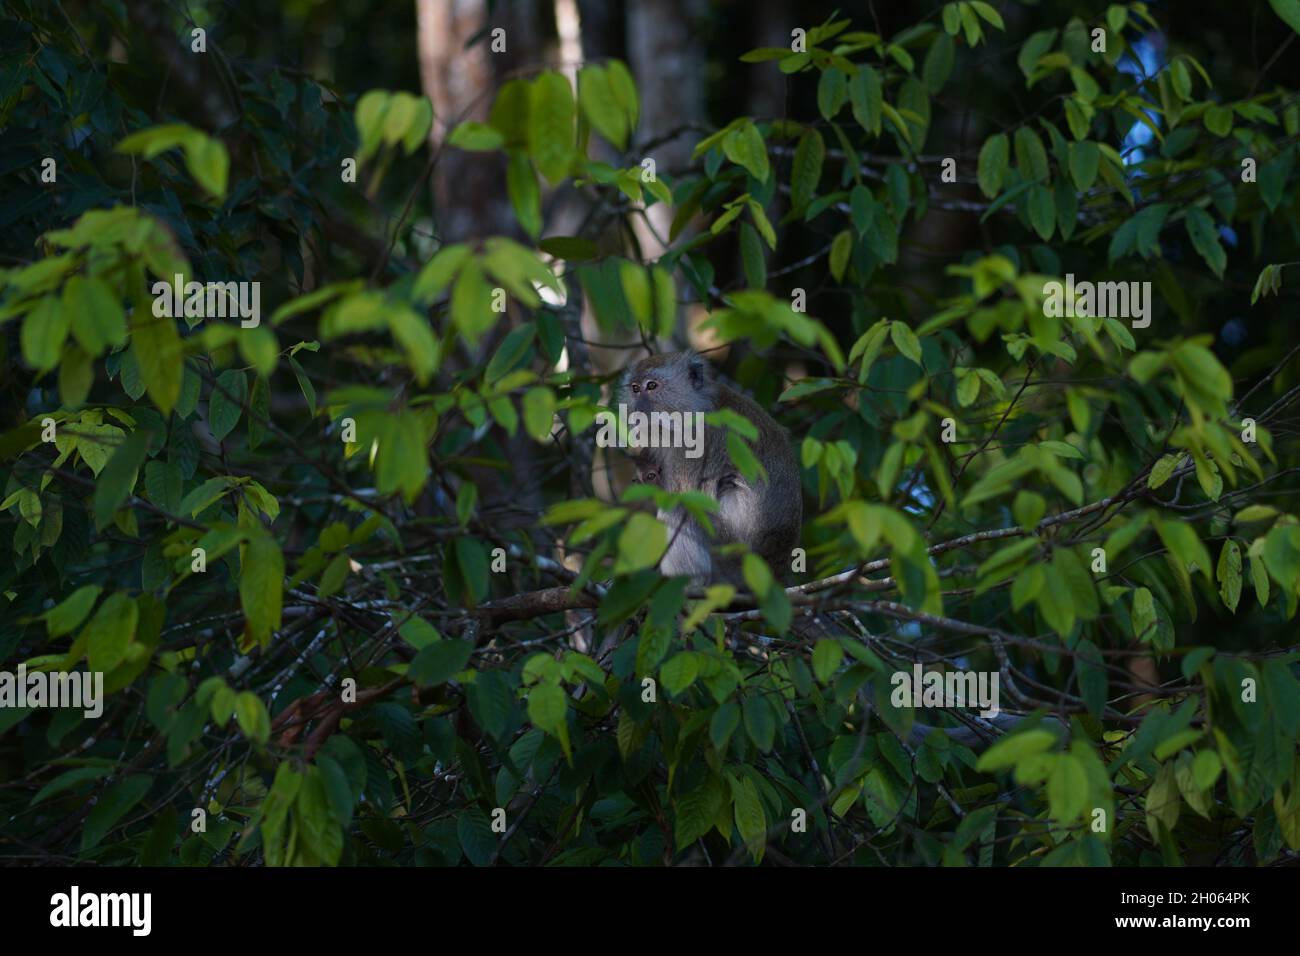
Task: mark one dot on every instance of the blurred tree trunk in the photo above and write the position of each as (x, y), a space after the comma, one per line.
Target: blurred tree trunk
(666, 54)
(767, 87)
(602, 29)
(461, 80)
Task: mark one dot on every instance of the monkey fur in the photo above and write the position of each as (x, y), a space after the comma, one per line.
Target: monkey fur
(765, 515)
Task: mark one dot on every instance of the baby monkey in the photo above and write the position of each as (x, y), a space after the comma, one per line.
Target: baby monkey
(765, 514)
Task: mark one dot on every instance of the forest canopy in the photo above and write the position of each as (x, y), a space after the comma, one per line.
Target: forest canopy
(307, 314)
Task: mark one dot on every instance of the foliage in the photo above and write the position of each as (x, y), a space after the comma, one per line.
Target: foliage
(278, 542)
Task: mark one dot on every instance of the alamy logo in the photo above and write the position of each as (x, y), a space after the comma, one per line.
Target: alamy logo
(921, 688)
(103, 909)
(209, 300)
(1107, 300)
(651, 430)
(77, 689)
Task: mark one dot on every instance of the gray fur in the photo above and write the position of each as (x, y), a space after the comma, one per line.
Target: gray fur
(766, 515)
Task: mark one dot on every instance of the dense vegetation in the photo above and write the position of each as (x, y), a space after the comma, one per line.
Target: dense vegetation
(358, 582)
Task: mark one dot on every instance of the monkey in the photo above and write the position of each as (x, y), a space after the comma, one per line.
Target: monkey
(765, 515)
(688, 544)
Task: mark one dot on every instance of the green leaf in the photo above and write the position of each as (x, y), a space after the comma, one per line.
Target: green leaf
(412, 332)
(573, 248)
(1031, 158)
(1259, 577)
(636, 291)
(44, 330)
(547, 709)
(438, 272)
(905, 341)
(251, 715)
(807, 171)
(1195, 657)
(159, 355)
(539, 412)
(832, 91)
(601, 106)
(371, 116)
(111, 631)
(1056, 602)
(1205, 239)
(519, 269)
(111, 807)
(751, 257)
(476, 137)
(156, 139)
(938, 63)
(641, 543)
(1289, 11)
(550, 126)
(471, 303)
(696, 812)
(1067, 789)
(1092, 677)
(401, 464)
(261, 582)
(1182, 541)
(1144, 615)
(841, 248)
(760, 723)
(1032, 50)
(67, 615)
(1042, 211)
(679, 672)
(69, 780)
(1218, 120)
(525, 195)
(205, 157)
(1162, 801)
(439, 662)
(209, 163)
(1085, 160)
(320, 837)
(95, 312)
(994, 158)
(510, 353)
(472, 563)
(751, 820)
(1161, 470)
(259, 347)
(744, 146)
(419, 633)
(1015, 747)
(867, 99)
(118, 477)
(226, 402)
(987, 11)
(826, 659)
(723, 724)
(1229, 574)
(1206, 767)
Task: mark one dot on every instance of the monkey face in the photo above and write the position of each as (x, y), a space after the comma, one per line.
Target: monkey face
(648, 471)
(676, 382)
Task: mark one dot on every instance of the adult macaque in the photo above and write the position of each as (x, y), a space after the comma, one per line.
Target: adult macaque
(765, 514)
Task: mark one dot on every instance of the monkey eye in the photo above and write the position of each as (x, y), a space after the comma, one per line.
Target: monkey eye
(651, 476)
(636, 387)
(651, 385)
